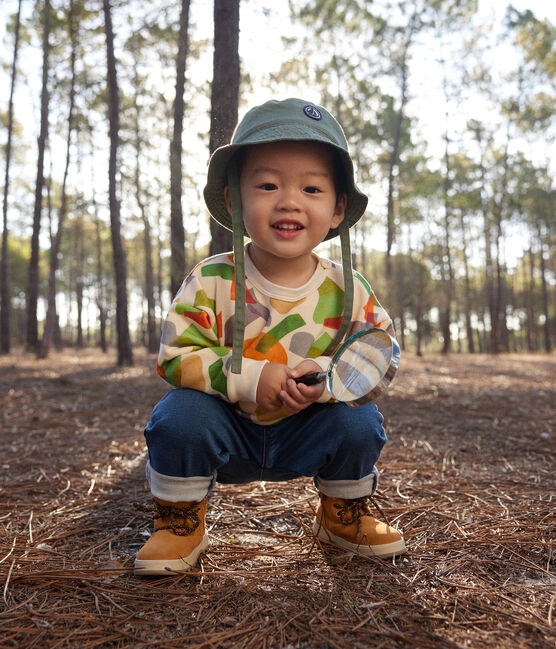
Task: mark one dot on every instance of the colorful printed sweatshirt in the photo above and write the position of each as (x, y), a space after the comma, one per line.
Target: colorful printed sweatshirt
(282, 325)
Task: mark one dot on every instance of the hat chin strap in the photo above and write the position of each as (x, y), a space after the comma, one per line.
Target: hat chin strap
(239, 277)
(348, 289)
(239, 269)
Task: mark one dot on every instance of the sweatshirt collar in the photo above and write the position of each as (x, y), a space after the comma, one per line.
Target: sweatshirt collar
(287, 293)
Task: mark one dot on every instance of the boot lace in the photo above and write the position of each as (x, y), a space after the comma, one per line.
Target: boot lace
(352, 511)
(178, 518)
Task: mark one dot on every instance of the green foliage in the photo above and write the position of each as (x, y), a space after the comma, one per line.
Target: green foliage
(536, 38)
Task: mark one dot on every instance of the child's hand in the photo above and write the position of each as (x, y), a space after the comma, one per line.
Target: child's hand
(298, 396)
(271, 383)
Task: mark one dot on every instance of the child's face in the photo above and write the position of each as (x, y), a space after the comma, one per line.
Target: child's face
(289, 199)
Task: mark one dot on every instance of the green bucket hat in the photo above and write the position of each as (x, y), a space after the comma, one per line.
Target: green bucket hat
(279, 121)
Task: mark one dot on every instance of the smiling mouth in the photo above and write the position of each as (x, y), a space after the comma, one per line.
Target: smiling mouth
(287, 227)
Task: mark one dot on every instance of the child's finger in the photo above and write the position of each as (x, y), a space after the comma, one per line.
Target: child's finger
(302, 392)
(290, 404)
(292, 389)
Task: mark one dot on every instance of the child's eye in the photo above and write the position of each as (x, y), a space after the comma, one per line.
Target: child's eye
(268, 187)
(312, 190)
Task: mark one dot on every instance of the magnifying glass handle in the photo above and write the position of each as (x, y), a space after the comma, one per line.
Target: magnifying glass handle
(311, 379)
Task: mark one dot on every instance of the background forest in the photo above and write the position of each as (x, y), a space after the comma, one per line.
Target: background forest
(110, 110)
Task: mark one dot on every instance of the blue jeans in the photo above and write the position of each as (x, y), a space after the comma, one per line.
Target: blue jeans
(195, 440)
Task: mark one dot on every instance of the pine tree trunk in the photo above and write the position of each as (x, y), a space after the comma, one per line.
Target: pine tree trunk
(159, 268)
(50, 323)
(394, 160)
(489, 272)
(544, 291)
(79, 284)
(151, 338)
(393, 164)
(102, 312)
(79, 302)
(5, 303)
(33, 284)
(500, 293)
(447, 272)
(467, 296)
(532, 343)
(177, 237)
(419, 319)
(500, 326)
(125, 355)
(225, 95)
(446, 263)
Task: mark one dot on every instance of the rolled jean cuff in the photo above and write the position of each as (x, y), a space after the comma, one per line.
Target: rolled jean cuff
(365, 486)
(175, 489)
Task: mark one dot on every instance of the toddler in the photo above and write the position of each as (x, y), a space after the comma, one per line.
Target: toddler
(245, 325)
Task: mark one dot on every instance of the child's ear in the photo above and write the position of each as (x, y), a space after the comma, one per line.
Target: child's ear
(339, 210)
(228, 199)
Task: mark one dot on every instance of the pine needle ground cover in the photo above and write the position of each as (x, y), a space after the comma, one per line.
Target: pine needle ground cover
(468, 474)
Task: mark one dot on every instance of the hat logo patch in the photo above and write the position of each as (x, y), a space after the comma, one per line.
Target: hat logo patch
(312, 112)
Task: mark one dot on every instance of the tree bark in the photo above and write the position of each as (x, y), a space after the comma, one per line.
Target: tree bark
(394, 160)
(50, 323)
(467, 295)
(544, 291)
(152, 339)
(33, 284)
(177, 237)
(225, 95)
(446, 264)
(419, 316)
(489, 267)
(532, 343)
(500, 328)
(100, 283)
(79, 248)
(5, 304)
(125, 355)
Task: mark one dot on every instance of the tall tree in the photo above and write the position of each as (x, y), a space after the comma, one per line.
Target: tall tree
(225, 95)
(466, 202)
(33, 284)
(479, 133)
(394, 157)
(544, 287)
(447, 266)
(100, 278)
(5, 305)
(152, 338)
(51, 318)
(125, 355)
(177, 236)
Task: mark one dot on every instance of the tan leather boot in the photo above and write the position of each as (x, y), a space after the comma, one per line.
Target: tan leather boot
(178, 539)
(349, 524)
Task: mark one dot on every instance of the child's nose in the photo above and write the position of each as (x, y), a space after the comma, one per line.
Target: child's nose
(288, 200)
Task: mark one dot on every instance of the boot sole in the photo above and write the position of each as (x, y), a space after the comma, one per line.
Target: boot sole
(383, 551)
(146, 567)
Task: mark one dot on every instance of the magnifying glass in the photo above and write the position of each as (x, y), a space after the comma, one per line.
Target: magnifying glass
(361, 369)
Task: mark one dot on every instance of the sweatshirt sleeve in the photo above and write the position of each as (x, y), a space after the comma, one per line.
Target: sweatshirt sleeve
(193, 353)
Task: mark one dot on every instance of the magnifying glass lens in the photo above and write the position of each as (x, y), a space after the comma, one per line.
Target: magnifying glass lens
(360, 367)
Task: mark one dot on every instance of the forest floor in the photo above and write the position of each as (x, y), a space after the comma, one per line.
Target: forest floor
(468, 474)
